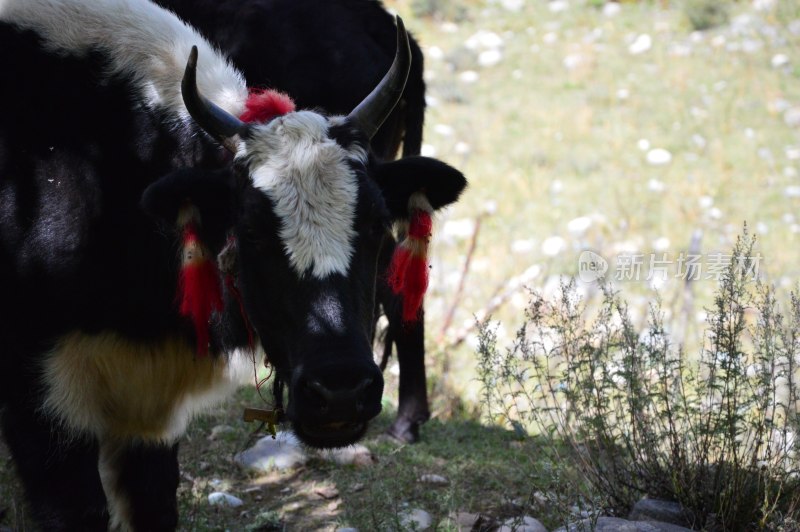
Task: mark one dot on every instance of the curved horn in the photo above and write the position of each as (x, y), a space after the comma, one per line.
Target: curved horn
(218, 123)
(370, 114)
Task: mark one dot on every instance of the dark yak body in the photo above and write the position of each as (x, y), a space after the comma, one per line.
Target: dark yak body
(98, 370)
(332, 67)
(326, 54)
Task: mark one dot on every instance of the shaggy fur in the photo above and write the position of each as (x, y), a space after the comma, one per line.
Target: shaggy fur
(308, 177)
(145, 42)
(115, 388)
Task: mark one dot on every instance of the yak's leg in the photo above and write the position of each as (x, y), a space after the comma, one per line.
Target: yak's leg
(140, 481)
(409, 340)
(412, 411)
(59, 474)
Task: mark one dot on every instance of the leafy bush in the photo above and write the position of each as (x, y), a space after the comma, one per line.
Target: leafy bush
(716, 432)
(706, 14)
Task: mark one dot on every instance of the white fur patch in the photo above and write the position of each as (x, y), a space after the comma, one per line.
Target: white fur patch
(306, 175)
(111, 387)
(143, 41)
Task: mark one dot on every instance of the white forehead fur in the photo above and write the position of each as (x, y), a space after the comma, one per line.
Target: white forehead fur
(142, 40)
(313, 188)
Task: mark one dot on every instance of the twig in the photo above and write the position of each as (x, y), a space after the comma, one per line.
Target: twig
(509, 290)
(448, 320)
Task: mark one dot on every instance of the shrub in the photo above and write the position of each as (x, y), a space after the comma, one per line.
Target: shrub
(706, 14)
(716, 432)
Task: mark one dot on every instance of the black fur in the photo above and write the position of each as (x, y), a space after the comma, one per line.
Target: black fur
(329, 55)
(326, 54)
(89, 184)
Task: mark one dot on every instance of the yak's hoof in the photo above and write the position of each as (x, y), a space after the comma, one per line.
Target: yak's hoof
(404, 431)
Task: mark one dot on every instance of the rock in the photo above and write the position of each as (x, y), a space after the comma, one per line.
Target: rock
(658, 157)
(792, 117)
(283, 452)
(464, 521)
(415, 519)
(525, 524)
(611, 9)
(347, 529)
(219, 498)
(436, 480)
(641, 44)
(220, 431)
(357, 455)
(615, 524)
(658, 510)
(327, 492)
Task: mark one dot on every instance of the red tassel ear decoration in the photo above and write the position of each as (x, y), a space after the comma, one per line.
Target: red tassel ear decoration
(199, 291)
(408, 272)
(263, 105)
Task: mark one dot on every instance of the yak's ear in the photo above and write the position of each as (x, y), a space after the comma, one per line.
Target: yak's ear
(440, 183)
(208, 192)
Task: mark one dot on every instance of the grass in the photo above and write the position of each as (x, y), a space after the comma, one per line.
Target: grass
(549, 134)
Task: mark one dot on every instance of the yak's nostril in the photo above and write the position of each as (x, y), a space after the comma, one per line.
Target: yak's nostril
(320, 396)
(338, 403)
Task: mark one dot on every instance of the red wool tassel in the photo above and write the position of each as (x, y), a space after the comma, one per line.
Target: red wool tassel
(199, 291)
(408, 272)
(264, 104)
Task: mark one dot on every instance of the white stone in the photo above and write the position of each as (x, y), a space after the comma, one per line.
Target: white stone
(436, 480)
(512, 5)
(550, 37)
(434, 52)
(623, 94)
(643, 144)
(553, 245)
(792, 191)
(661, 244)
(462, 148)
(484, 40)
(706, 202)
(699, 141)
(579, 225)
(489, 58)
(557, 6)
(219, 498)
(572, 61)
(448, 27)
(658, 157)
(792, 117)
(611, 9)
(428, 150)
(469, 76)
(523, 246)
(654, 185)
(415, 519)
(220, 431)
(459, 229)
(526, 524)
(641, 44)
(444, 130)
(779, 60)
(283, 452)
